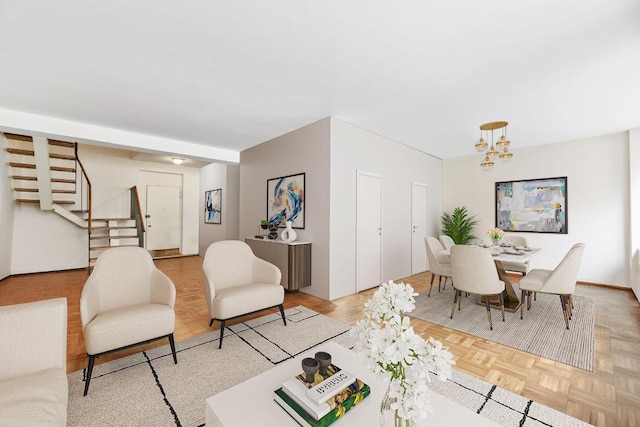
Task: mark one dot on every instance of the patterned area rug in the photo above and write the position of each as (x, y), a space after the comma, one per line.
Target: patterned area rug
(147, 389)
(541, 332)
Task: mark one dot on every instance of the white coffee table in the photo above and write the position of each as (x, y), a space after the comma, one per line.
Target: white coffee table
(251, 402)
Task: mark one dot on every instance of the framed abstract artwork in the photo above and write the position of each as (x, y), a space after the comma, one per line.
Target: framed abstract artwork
(285, 200)
(213, 206)
(532, 205)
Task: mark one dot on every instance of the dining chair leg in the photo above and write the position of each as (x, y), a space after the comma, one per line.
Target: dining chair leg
(522, 303)
(459, 299)
(502, 306)
(431, 287)
(455, 299)
(563, 301)
(570, 306)
(486, 302)
(528, 300)
(439, 282)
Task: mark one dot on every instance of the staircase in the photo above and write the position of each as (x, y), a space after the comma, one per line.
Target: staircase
(49, 173)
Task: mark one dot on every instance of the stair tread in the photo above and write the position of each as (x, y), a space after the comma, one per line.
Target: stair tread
(27, 200)
(26, 190)
(115, 228)
(62, 169)
(62, 156)
(17, 137)
(107, 237)
(61, 143)
(113, 219)
(106, 247)
(63, 202)
(22, 165)
(24, 178)
(66, 181)
(19, 151)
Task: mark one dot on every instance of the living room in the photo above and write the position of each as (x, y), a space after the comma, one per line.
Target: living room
(330, 145)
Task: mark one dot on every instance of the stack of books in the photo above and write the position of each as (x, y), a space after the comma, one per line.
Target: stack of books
(323, 401)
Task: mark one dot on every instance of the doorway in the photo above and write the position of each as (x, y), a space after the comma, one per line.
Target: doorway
(419, 193)
(163, 220)
(368, 230)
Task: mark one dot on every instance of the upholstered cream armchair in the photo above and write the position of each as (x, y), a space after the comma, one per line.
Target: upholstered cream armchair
(474, 272)
(239, 283)
(125, 302)
(33, 364)
(561, 281)
(439, 264)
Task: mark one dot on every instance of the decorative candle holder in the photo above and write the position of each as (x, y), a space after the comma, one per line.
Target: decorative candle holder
(310, 366)
(324, 359)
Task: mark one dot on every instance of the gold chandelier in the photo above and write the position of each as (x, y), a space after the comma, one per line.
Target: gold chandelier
(491, 152)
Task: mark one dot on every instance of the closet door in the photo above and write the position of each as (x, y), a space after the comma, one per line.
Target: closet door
(368, 230)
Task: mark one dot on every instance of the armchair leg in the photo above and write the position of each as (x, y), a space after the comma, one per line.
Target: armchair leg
(211, 323)
(282, 314)
(221, 334)
(439, 282)
(92, 360)
(173, 349)
(502, 306)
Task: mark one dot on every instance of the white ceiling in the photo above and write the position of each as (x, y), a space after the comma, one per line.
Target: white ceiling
(233, 74)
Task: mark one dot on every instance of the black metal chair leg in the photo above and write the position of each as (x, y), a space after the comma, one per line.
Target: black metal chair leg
(502, 306)
(172, 343)
(221, 334)
(211, 323)
(522, 297)
(92, 360)
(282, 314)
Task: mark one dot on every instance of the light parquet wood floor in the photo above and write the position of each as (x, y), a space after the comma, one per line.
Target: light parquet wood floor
(608, 397)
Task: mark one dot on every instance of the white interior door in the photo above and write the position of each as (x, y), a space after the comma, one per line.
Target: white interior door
(368, 230)
(418, 227)
(163, 217)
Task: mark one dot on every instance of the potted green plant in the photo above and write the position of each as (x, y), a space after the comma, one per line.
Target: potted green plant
(459, 225)
(264, 224)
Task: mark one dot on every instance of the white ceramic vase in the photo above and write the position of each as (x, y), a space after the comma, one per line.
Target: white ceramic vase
(289, 234)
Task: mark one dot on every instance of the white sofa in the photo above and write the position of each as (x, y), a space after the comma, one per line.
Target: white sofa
(33, 364)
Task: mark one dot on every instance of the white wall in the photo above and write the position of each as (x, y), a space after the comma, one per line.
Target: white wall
(597, 196)
(62, 245)
(6, 217)
(226, 177)
(354, 149)
(303, 150)
(634, 208)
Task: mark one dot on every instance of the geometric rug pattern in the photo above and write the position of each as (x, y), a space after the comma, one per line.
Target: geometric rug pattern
(148, 389)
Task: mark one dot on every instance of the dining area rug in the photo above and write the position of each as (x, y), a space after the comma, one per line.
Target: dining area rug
(148, 389)
(542, 331)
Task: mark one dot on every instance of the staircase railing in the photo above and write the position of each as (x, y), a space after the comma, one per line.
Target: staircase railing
(84, 182)
(136, 213)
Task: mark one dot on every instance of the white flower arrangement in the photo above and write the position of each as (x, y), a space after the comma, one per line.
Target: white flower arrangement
(391, 348)
(495, 234)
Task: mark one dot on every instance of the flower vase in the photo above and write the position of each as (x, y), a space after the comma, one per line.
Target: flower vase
(385, 410)
(288, 235)
(496, 241)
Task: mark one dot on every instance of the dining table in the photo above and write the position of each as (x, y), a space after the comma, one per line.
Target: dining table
(504, 253)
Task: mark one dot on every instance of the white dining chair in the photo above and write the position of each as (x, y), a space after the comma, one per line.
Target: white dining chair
(474, 272)
(439, 264)
(514, 266)
(446, 241)
(561, 281)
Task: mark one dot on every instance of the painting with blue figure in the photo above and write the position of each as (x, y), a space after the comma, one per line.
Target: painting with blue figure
(213, 206)
(285, 200)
